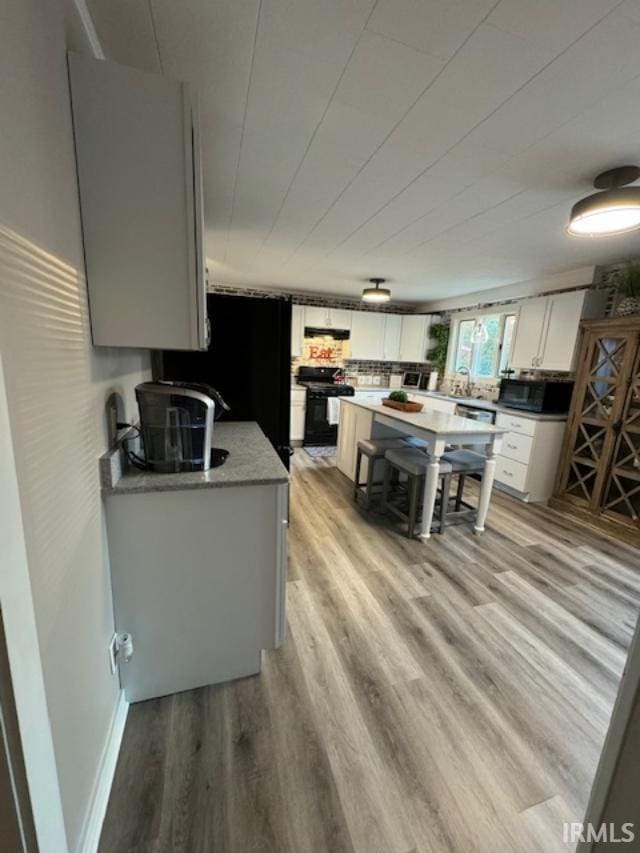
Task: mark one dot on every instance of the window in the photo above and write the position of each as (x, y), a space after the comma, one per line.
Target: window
(489, 354)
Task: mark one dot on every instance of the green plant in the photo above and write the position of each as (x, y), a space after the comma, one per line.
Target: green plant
(399, 396)
(437, 355)
(626, 280)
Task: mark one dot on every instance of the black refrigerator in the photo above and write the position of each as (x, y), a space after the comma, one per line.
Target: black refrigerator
(248, 362)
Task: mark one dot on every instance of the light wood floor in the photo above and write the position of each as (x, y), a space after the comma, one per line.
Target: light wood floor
(447, 698)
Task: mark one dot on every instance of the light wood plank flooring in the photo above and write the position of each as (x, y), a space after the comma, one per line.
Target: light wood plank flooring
(447, 698)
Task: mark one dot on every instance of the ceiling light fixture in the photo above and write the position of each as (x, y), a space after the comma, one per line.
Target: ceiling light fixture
(376, 293)
(614, 211)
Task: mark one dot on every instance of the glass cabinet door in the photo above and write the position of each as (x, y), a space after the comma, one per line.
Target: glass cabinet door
(622, 492)
(599, 402)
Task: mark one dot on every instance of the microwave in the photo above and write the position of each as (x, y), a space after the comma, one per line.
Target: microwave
(551, 396)
(411, 379)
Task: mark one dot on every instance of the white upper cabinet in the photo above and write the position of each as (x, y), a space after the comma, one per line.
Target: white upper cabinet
(392, 333)
(564, 312)
(139, 174)
(316, 317)
(548, 329)
(339, 318)
(327, 318)
(531, 320)
(367, 335)
(414, 337)
(297, 330)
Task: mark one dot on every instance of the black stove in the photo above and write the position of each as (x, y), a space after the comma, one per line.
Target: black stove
(328, 389)
(320, 385)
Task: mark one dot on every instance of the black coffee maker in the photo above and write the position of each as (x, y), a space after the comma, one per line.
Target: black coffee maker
(176, 425)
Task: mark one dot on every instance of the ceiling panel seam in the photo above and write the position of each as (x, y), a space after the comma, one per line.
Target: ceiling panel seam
(392, 131)
(242, 131)
(152, 17)
(314, 134)
(435, 162)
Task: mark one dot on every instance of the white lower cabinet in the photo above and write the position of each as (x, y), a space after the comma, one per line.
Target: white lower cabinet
(298, 411)
(199, 580)
(530, 455)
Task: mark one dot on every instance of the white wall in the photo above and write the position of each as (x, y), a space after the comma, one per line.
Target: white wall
(24, 651)
(517, 290)
(56, 387)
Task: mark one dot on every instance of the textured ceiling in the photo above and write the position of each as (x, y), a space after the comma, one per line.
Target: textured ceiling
(439, 143)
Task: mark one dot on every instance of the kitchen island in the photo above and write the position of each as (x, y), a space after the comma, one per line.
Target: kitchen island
(362, 420)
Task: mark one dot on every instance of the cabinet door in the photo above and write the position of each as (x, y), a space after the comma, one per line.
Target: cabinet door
(596, 418)
(296, 425)
(392, 332)
(413, 337)
(282, 562)
(367, 335)
(345, 457)
(317, 317)
(529, 332)
(564, 312)
(338, 318)
(297, 330)
(136, 139)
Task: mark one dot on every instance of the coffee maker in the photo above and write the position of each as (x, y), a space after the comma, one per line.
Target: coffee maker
(176, 425)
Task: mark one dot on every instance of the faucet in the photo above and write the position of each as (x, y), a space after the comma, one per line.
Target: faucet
(464, 371)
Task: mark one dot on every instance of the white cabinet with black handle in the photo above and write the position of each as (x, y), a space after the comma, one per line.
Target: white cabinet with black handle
(140, 184)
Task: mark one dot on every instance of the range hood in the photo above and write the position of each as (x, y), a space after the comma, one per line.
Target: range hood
(317, 332)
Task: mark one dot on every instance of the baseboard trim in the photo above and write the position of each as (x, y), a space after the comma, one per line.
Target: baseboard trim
(90, 837)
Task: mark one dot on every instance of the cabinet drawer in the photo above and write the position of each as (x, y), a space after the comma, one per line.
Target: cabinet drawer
(511, 473)
(516, 445)
(516, 424)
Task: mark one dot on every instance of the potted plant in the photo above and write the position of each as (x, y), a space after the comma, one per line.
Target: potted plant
(626, 282)
(437, 354)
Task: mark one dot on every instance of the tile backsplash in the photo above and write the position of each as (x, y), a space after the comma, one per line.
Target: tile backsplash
(322, 351)
(317, 299)
(355, 369)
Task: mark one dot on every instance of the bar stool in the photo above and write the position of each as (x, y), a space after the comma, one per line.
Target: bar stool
(413, 463)
(464, 463)
(374, 449)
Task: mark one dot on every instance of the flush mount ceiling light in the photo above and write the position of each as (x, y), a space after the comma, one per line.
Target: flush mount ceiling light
(376, 293)
(614, 211)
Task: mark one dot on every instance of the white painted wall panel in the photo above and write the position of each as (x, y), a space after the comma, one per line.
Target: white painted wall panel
(56, 387)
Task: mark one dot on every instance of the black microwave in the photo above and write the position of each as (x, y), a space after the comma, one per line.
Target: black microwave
(551, 396)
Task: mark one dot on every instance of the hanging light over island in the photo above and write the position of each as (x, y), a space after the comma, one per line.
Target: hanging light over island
(376, 293)
(616, 210)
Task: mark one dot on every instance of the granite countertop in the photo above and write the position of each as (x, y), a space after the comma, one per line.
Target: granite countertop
(252, 461)
(473, 403)
(438, 423)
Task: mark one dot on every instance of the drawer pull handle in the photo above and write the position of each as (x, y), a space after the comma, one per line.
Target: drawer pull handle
(512, 446)
(508, 473)
(515, 424)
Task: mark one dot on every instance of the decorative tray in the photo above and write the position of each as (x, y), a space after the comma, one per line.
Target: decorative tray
(403, 407)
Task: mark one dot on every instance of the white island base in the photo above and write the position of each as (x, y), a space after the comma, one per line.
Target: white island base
(361, 420)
